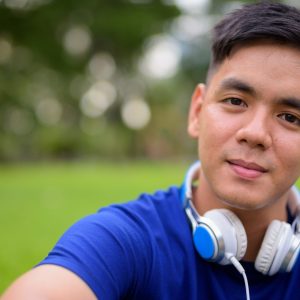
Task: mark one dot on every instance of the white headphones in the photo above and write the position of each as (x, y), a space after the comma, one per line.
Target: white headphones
(220, 235)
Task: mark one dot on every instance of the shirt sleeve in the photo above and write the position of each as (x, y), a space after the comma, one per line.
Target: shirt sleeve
(102, 250)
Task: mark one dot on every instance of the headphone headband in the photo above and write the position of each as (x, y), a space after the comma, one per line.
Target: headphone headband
(219, 236)
(190, 176)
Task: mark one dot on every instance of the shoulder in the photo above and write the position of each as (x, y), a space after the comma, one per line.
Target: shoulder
(139, 220)
(108, 248)
(146, 206)
(127, 221)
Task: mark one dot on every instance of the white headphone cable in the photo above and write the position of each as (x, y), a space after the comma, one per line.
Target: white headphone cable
(240, 268)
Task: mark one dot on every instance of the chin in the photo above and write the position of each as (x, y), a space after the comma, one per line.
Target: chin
(243, 203)
(249, 206)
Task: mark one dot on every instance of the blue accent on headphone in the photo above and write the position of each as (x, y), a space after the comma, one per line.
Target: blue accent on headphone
(209, 238)
(204, 243)
(183, 194)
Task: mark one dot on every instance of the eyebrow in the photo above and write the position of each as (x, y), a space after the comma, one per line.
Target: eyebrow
(290, 102)
(242, 86)
(237, 84)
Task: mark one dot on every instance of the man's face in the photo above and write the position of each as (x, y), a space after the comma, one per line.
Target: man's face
(247, 121)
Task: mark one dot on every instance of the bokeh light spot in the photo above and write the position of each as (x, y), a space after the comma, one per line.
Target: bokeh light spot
(6, 51)
(77, 40)
(99, 97)
(16, 4)
(162, 57)
(102, 66)
(193, 6)
(136, 113)
(190, 28)
(49, 111)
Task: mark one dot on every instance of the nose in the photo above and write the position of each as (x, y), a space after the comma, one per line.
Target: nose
(255, 131)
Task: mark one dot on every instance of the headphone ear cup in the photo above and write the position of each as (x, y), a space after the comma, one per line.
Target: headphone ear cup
(207, 240)
(274, 248)
(232, 231)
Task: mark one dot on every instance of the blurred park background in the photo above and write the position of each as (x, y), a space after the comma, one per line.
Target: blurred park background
(93, 102)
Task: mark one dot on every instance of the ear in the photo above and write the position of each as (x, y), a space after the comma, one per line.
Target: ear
(195, 108)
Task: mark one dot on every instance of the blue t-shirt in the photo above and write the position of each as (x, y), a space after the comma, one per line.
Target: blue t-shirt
(144, 250)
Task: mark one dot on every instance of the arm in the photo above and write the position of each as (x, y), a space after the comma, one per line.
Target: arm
(49, 282)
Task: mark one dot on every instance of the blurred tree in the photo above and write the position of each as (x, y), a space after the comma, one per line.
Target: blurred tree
(101, 78)
(46, 48)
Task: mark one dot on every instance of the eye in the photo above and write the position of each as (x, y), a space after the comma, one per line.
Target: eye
(235, 101)
(290, 118)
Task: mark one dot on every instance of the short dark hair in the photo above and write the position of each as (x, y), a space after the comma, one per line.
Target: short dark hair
(263, 21)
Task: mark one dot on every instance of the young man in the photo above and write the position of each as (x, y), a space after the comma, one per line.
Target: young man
(247, 121)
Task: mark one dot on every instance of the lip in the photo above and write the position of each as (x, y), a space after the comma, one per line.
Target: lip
(247, 170)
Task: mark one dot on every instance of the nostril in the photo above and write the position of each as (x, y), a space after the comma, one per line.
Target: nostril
(254, 137)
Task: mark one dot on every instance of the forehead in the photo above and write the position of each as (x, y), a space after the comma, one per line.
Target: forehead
(264, 66)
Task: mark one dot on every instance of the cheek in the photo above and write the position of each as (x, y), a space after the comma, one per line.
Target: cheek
(214, 128)
(286, 158)
(210, 139)
(289, 156)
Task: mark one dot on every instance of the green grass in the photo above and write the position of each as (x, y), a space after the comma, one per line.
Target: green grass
(39, 202)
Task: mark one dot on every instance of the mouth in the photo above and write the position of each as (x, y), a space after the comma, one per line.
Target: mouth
(246, 170)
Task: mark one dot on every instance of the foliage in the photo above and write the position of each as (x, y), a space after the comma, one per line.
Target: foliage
(39, 68)
(54, 55)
